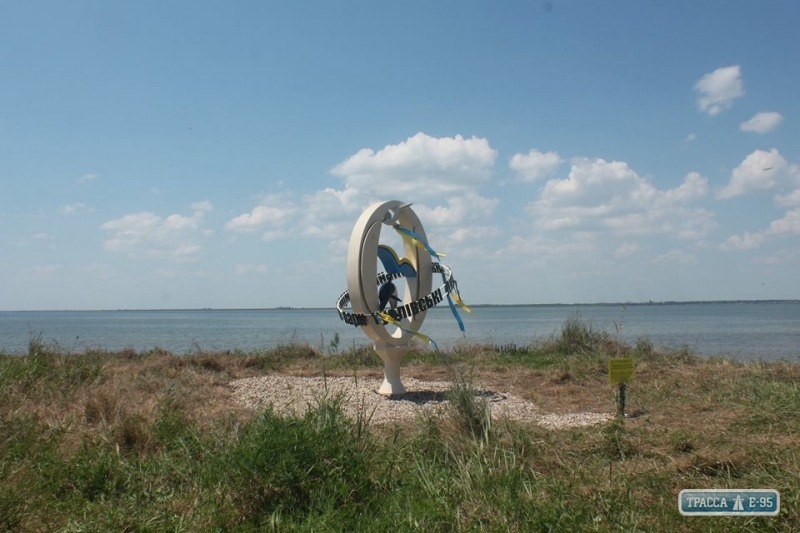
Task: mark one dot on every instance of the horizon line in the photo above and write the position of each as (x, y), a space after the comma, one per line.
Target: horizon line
(291, 308)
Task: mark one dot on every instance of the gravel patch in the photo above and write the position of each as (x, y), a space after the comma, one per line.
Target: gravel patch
(294, 395)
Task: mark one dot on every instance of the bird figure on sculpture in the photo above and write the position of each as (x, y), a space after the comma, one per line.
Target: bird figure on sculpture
(388, 295)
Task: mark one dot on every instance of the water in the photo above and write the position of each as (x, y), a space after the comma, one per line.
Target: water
(744, 331)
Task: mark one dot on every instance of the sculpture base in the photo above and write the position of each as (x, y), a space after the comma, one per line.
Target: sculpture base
(391, 356)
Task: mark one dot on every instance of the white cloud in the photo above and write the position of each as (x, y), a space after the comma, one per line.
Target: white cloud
(243, 269)
(204, 206)
(535, 164)
(690, 138)
(421, 165)
(541, 247)
(791, 199)
(601, 195)
(693, 188)
(474, 233)
(328, 212)
(759, 171)
(146, 234)
(274, 212)
(75, 209)
(45, 270)
(788, 225)
(469, 207)
(626, 249)
(781, 256)
(762, 122)
(86, 178)
(746, 241)
(674, 256)
(718, 89)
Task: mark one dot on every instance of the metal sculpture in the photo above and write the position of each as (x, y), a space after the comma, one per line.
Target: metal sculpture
(373, 295)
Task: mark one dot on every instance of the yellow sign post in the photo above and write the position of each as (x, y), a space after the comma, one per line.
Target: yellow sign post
(620, 371)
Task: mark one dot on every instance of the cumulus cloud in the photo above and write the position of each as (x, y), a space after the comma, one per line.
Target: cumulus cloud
(330, 212)
(535, 165)
(762, 122)
(146, 234)
(718, 89)
(601, 195)
(421, 168)
(423, 165)
(761, 170)
(788, 225)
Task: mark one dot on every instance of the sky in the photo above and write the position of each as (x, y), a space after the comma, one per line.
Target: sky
(194, 154)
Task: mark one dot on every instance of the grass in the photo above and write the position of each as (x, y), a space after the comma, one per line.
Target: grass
(152, 442)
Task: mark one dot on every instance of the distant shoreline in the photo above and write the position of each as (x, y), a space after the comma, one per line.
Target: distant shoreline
(287, 308)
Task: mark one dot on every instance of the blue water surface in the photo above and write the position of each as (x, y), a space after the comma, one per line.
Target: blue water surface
(744, 331)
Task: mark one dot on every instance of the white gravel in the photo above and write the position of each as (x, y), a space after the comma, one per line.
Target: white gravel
(292, 394)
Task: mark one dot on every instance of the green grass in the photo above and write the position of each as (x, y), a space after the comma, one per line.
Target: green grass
(150, 442)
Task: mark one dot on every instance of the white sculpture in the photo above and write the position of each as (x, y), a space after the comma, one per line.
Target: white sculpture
(373, 296)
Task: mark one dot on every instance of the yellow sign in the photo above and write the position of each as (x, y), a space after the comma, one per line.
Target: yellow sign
(620, 369)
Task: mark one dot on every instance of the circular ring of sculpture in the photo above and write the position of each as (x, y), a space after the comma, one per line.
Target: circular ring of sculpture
(369, 299)
(369, 292)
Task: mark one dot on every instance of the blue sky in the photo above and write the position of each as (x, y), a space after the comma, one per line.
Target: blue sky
(217, 154)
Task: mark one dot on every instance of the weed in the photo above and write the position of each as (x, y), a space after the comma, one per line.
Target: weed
(469, 408)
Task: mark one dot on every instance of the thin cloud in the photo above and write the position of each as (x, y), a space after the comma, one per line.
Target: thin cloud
(77, 208)
(86, 178)
(718, 89)
(244, 269)
(762, 122)
(788, 225)
(791, 199)
(674, 256)
(261, 216)
(626, 249)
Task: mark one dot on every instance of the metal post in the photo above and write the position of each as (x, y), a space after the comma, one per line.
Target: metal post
(621, 400)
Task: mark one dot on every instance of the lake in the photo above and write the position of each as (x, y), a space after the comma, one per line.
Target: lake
(740, 330)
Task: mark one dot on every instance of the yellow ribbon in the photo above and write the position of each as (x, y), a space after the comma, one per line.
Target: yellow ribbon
(460, 302)
(388, 318)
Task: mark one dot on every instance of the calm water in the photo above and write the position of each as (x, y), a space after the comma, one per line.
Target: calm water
(743, 331)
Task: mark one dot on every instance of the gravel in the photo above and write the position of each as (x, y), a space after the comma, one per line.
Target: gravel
(294, 395)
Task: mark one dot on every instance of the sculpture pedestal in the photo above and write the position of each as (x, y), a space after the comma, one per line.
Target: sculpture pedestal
(391, 356)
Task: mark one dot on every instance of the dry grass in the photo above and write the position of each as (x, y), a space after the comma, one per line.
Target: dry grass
(692, 423)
